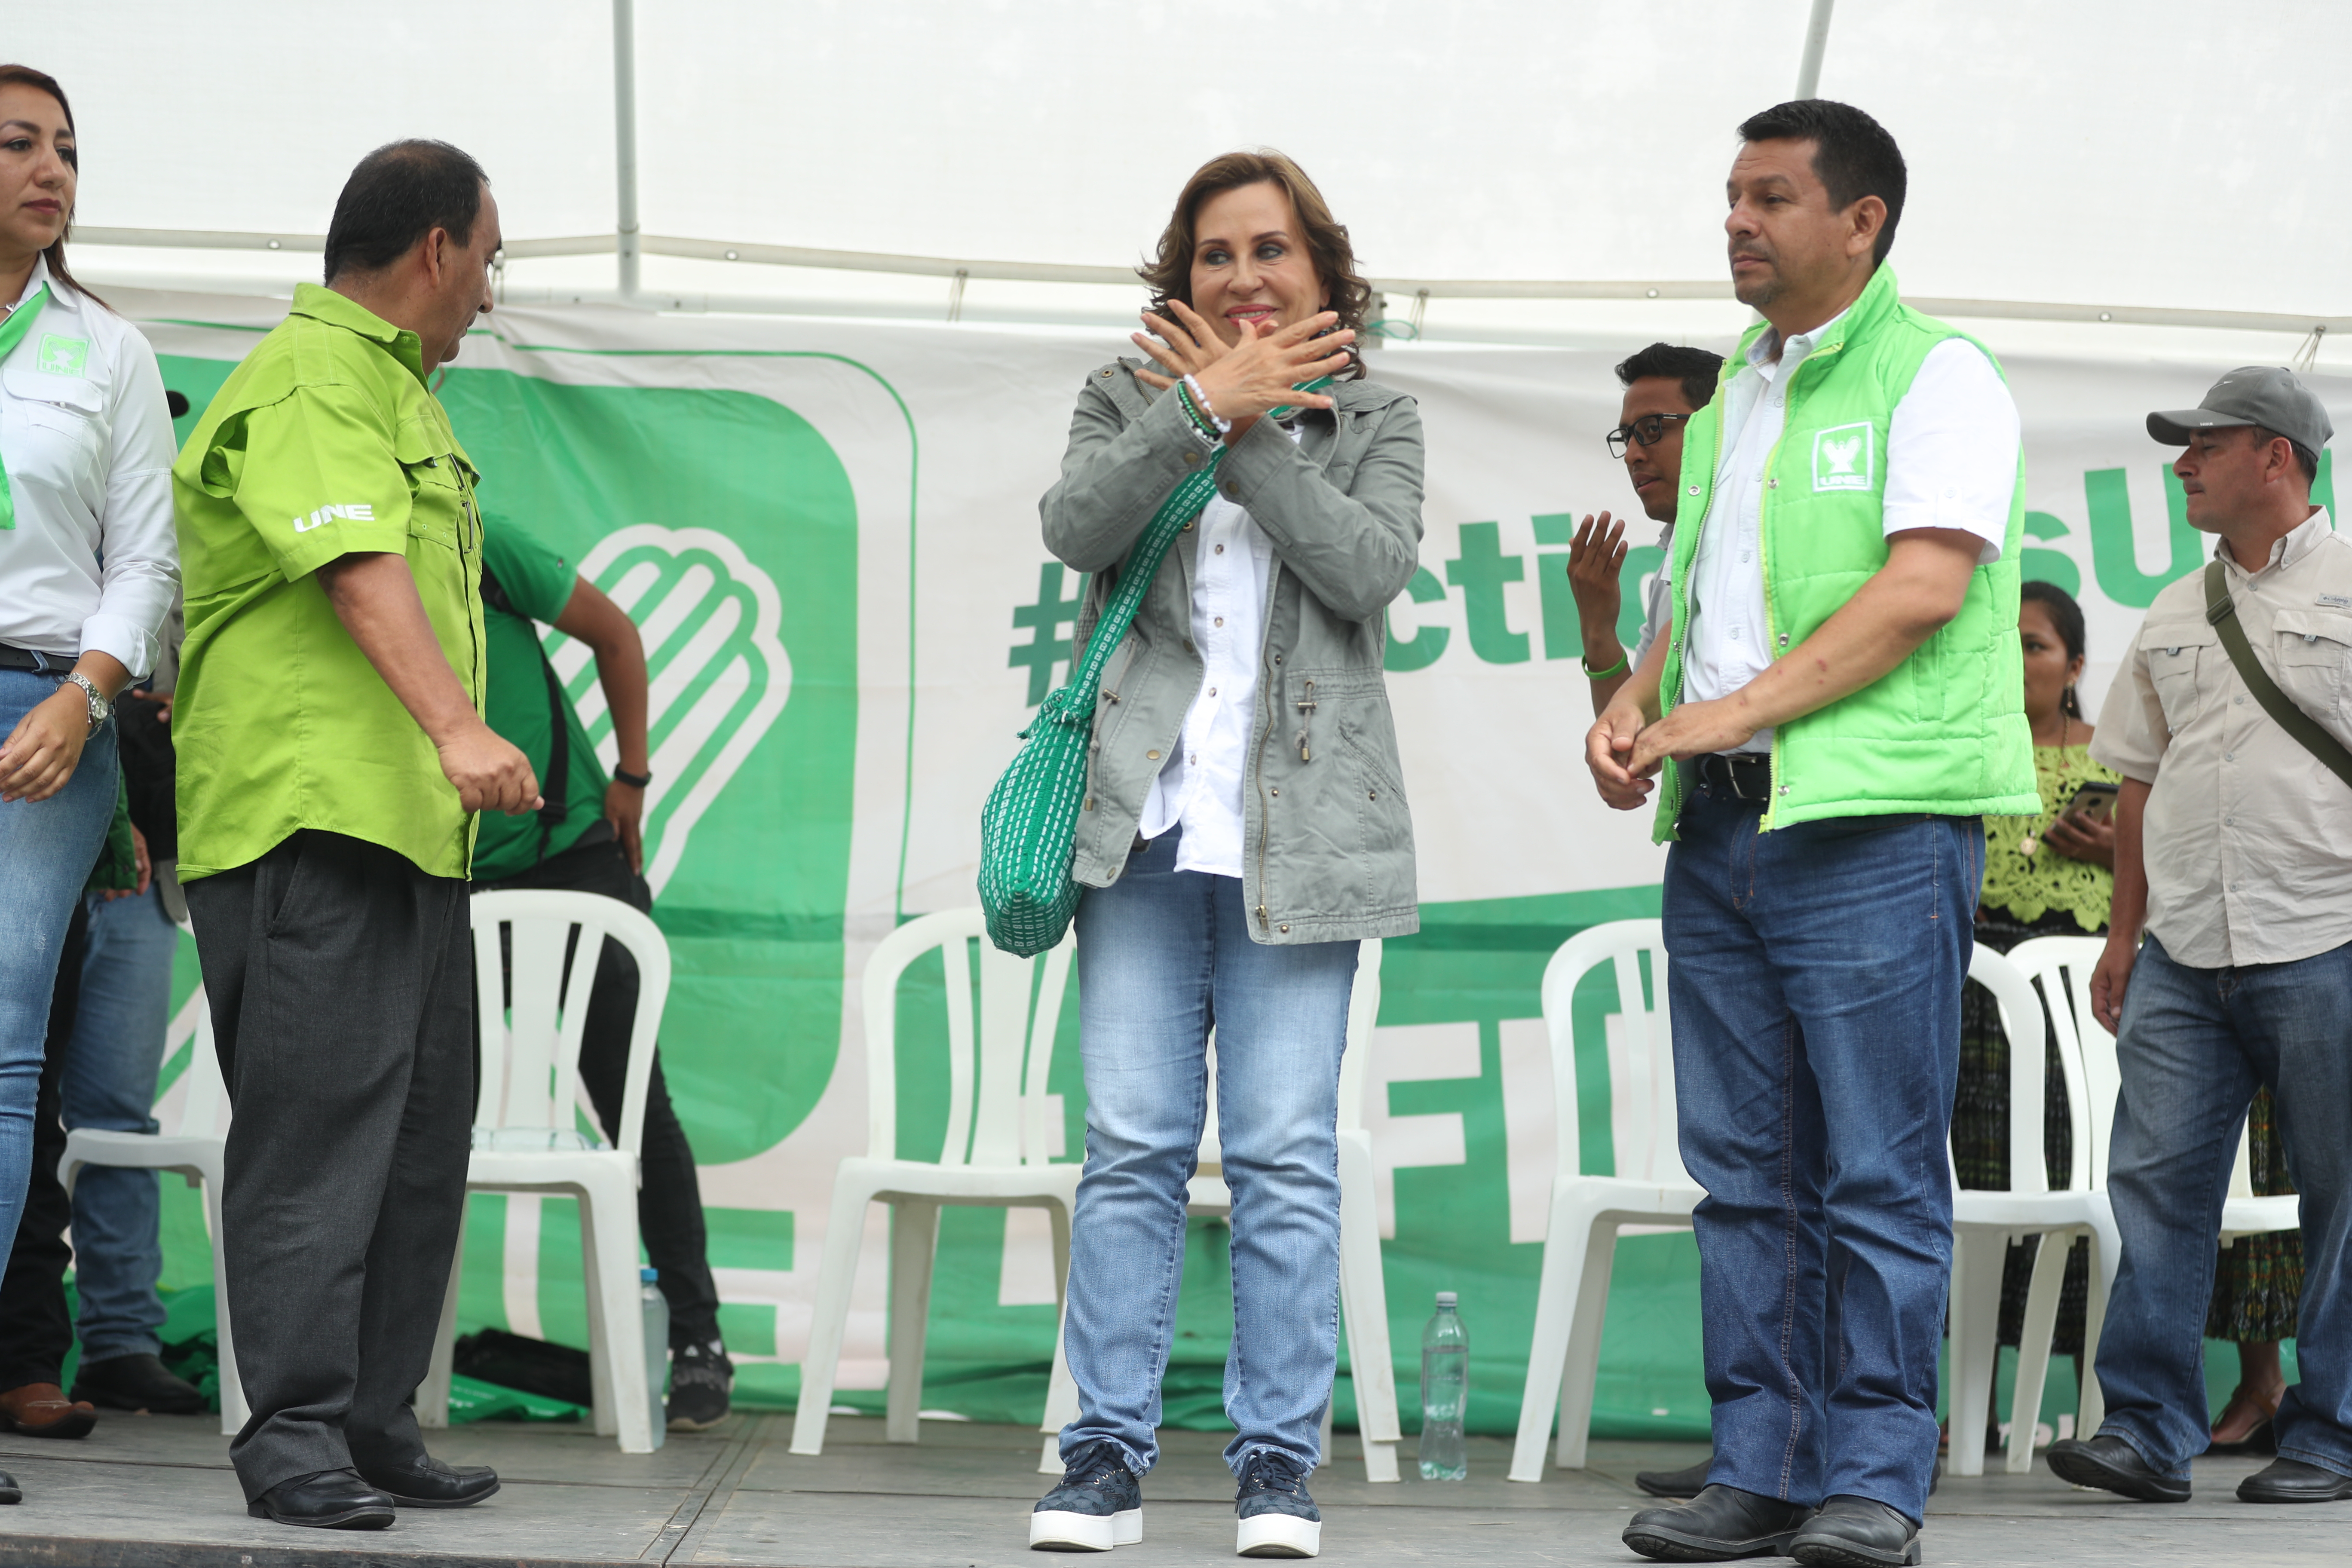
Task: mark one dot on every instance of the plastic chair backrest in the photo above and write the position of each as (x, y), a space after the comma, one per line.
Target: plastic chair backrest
(997, 1114)
(2061, 965)
(1355, 1064)
(1642, 1122)
(203, 1102)
(532, 1023)
(2023, 1021)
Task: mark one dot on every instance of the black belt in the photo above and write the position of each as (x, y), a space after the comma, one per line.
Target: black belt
(26, 659)
(1741, 776)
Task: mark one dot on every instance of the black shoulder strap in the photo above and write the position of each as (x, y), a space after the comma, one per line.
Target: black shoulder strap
(2221, 613)
(553, 786)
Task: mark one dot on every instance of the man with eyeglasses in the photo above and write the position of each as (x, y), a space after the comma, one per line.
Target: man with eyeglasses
(1665, 384)
(1841, 699)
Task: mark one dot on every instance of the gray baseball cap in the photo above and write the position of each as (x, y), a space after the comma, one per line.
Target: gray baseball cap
(2252, 395)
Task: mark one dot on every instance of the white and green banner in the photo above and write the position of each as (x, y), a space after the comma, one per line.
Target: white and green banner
(828, 531)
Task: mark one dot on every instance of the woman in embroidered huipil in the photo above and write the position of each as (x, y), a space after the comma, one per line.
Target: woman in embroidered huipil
(2054, 875)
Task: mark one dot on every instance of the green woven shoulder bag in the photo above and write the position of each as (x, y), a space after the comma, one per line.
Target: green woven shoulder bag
(1029, 828)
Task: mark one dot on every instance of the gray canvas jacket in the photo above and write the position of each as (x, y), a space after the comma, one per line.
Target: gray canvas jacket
(1327, 833)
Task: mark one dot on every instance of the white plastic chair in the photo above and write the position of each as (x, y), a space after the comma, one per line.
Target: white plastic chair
(1363, 1287)
(995, 1153)
(191, 1149)
(1650, 1186)
(1986, 1223)
(2243, 1212)
(526, 1124)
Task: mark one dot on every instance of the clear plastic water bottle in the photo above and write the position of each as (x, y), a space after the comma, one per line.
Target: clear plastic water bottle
(1444, 1393)
(657, 1313)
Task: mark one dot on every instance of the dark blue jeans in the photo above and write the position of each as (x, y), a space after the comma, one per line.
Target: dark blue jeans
(2195, 1043)
(1815, 990)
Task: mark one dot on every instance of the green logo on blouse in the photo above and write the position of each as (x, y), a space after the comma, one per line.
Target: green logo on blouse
(63, 356)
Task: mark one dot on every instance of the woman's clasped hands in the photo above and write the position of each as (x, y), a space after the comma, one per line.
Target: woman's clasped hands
(1257, 372)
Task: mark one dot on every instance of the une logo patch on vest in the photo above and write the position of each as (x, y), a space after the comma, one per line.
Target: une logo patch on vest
(1845, 457)
(63, 356)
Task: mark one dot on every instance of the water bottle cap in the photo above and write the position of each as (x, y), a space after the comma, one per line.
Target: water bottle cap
(648, 1275)
(1445, 1299)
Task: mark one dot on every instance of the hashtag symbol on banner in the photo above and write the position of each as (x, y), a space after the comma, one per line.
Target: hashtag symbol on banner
(1046, 619)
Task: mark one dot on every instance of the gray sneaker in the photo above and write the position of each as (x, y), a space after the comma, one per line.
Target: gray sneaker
(1098, 1505)
(1277, 1518)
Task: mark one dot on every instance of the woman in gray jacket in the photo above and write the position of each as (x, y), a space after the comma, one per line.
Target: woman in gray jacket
(1244, 825)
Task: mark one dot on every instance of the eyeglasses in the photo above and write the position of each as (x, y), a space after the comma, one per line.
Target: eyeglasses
(1649, 430)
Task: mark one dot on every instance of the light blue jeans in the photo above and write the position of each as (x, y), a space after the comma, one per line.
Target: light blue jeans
(109, 1082)
(46, 850)
(2195, 1045)
(1162, 955)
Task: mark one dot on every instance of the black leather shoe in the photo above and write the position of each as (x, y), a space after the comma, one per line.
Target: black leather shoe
(1721, 1522)
(425, 1482)
(1857, 1532)
(2292, 1480)
(330, 1499)
(9, 1490)
(1682, 1483)
(140, 1382)
(2112, 1465)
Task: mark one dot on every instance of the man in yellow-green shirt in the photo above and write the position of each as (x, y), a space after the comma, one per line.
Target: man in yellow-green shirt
(333, 755)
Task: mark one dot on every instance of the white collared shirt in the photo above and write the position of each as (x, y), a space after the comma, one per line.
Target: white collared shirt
(2248, 837)
(1952, 462)
(92, 565)
(1199, 788)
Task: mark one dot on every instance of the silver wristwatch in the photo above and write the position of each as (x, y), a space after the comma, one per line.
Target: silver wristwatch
(99, 707)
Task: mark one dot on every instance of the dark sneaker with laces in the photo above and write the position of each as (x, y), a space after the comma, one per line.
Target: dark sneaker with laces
(1277, 1518)
(1098, 1505)
(701, 1380)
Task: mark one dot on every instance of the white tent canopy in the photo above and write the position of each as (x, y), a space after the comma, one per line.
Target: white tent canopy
(2103, 156)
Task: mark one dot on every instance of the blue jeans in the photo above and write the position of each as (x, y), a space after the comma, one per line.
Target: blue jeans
(1161, 954)
(2195, 1043)
(46, 850)
(109, 1082)
(1815, 984)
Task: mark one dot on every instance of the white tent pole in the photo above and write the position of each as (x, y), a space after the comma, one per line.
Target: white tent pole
(625, 133)
(1817, 38)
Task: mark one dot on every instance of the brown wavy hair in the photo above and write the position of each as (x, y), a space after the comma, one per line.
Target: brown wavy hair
(26, 76)
(1168, 274)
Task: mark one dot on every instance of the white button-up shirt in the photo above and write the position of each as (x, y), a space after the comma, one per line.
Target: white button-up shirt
(1200, 787)
(2247, 837)
(1952, 462)
(92, 565)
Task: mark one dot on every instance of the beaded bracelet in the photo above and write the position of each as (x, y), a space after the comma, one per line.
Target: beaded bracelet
(1200, 401)
(1197, 420)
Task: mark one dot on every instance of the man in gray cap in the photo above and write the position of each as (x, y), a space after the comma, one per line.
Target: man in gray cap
(2234, 856)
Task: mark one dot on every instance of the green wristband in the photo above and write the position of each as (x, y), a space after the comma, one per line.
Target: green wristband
(1624, 661)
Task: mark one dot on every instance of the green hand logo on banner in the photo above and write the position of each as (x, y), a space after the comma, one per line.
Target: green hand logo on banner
(710, 621)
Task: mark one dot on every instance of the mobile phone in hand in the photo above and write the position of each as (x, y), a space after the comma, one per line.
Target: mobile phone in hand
(2095, 801)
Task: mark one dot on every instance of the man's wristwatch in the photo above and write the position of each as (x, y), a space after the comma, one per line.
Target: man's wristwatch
(99, 707)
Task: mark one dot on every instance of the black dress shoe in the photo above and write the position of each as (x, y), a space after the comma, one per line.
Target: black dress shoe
(141, 1382)
(2292, 1480)
(425, 1482)
(1682, 1483)
(2112, 1465)
(9, 1490)
(1719, 1523)
(1857, 1532)
(328, 1500)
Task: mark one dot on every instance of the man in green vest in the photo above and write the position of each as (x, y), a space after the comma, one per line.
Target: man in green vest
(1840, 700)
(332, 759)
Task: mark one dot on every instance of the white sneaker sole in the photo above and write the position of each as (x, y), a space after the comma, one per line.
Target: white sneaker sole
(1060, 1531)
(1279, 1535)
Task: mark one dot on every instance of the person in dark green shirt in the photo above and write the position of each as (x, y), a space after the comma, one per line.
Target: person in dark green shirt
(586, 838)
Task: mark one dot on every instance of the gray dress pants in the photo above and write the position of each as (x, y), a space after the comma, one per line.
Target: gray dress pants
(339, 978)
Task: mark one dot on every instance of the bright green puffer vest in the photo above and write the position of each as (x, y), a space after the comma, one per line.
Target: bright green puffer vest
(1943, 732)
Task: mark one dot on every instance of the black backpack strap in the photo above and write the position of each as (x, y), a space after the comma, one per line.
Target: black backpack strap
(2221, 613)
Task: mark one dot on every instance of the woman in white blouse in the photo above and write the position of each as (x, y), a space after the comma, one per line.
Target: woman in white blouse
(88, 572)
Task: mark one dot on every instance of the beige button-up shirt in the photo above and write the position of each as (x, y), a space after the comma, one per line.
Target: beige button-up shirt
(2248, 839)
